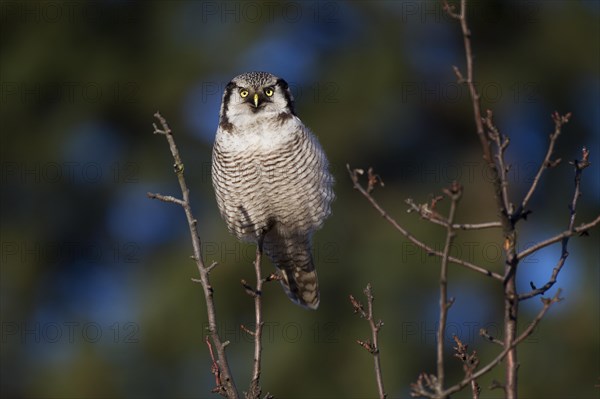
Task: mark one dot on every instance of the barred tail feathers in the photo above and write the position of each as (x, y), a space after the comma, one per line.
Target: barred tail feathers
(293, 257)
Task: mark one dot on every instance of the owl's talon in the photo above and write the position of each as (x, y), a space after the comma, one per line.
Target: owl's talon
(273, 277)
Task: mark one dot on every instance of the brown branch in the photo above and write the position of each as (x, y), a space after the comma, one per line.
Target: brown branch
(579, 167)
(225, 383)
(476, 226)
(214, 368)
(354, 176)
(371, 346)
(470, 362)
(501, 142)
(484, 333)
(475, 97)
(255, 390)
(580, 230)
(547, 303)
(559, 121)
(500, 185)
(424, 385)
(425, 212)
(454, 193)
(166, 198)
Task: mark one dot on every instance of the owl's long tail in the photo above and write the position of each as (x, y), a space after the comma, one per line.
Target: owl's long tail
(293, 257)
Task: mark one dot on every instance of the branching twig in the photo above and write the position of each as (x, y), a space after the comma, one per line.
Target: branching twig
(425, 212)
(470, 362)
(559, 121)
(501, 142)
(224, 378)
(372, 347)
(547, 303)
(500, 184)
(493, 146)
(579, 167)
(423, 386)
(409, 236)
(454, 193)
(580, 230)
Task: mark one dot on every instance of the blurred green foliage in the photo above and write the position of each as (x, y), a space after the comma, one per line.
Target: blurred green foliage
(95, 278)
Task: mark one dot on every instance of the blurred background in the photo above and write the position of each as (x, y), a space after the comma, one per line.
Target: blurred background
(95, 278)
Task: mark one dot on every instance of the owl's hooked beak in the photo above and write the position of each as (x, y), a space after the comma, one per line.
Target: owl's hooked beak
(255, 100)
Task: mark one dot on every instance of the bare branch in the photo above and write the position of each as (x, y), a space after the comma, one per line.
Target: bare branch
(454, 193)
(424, 387)
(484, 333)
(547, 303)
(559, 121)
(165, 198)
(579, 167)
(451, 10)
(470, 362)
(255, 390)
(581, 229)
(371, 346)
(220, 368)
(425, 212)
(410, 237)
(500, 185)
(501, 143)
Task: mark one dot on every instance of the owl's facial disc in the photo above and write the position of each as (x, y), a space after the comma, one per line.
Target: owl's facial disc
(255, 94)
(257, 97)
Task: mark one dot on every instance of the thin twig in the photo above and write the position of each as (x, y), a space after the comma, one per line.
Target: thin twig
(470, 362)
(214, 368)
(409, 236)
(224, 377)
(424, 211)
(501, 142)
(581, 229)
(166, 198)
(547, 303)
(371, 346)
(579, 167)
(454, 193)
(559, 121)
(484, 333)
(476, 226)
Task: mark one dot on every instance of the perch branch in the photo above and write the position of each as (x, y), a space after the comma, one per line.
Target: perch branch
(255, 390)
(226, 385)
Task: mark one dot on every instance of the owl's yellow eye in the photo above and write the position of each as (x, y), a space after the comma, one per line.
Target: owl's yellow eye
(269, 92)
(244, 93)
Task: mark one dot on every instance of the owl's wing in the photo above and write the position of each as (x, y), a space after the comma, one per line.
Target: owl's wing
(292, 256)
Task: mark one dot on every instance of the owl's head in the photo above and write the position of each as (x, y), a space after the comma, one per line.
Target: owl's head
(255, 93)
